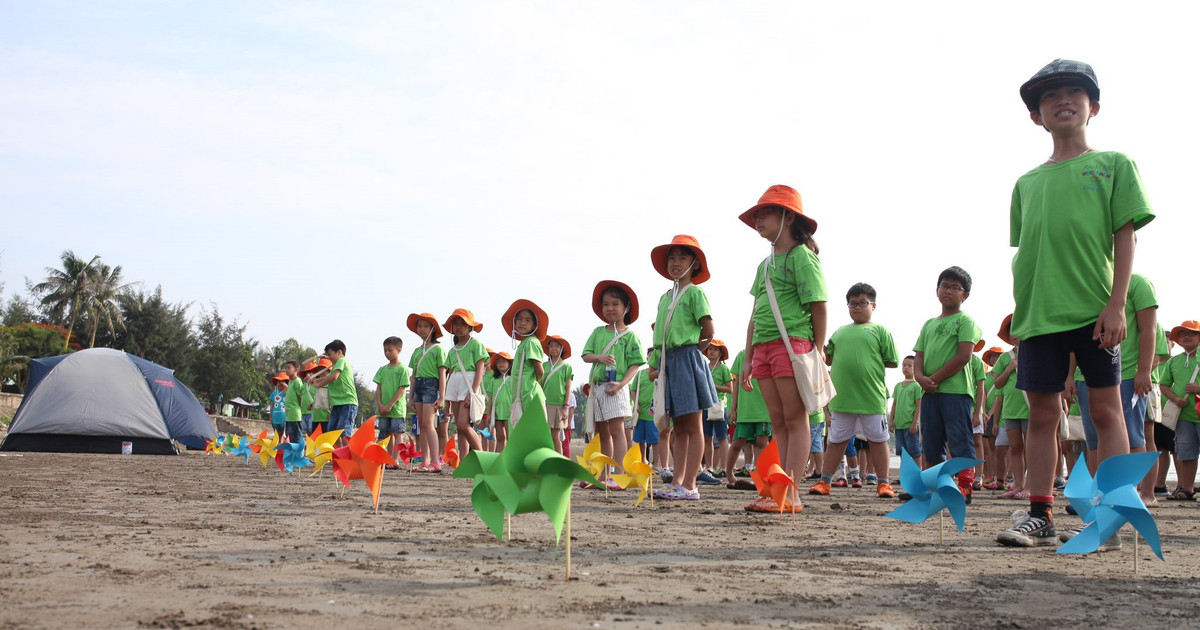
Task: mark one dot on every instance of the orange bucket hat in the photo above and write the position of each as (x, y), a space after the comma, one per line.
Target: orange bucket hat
(543, 321)
(565, 344)
(498, 355)
(1189, 324)
(979, 345)
(717, 343)
(416, 317)
(780, 196)
(993, 353)
(1005, 333)
(309, 368)
(282, 376)
(658, 256)
(467, 316)
(598, 295)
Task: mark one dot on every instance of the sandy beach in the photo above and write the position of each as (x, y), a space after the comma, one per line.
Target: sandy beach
(109, 541)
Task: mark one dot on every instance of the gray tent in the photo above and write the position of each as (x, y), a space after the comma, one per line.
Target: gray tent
(93, 400)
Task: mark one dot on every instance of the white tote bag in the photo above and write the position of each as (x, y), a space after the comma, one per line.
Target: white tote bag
(812, 377)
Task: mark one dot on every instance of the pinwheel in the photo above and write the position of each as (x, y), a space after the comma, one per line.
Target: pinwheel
(405, 450)
(1109, 501)
(527, 476)
(772, 481)
(933, 490)
(637, 473)
(450, 453)
(292, 456)
(593, 460)
(267, 444)
(215, 446)
(362, 459)
(319, 448)
(240, 445)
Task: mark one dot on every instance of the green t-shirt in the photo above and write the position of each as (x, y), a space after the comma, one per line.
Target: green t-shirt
(859, 352)
(1161, 350)
(722, 376)
(1141, 296)
(390, 379)
(685, 321)
(1176, 376)
(1062, 220)
(817, 417)
(641, 391)
(976, 371)
(554, 383)
(341, 390)
(939, 341)
(471, 353)
(751, 407)
(990, 389)
(627, 351)
(798, 282)
(529, 352)
(1014, 406)
(907, 397)
(503, 398)
(293, 401)
(429, 367)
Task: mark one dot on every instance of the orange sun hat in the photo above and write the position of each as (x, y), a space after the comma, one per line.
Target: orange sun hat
(993, 353)
(780, 196)
(979, 345)
(282, 376)
(658, 257)
(598, 296)
(1005, 333)
(1189, 324)
(499, 355)
(413, 318)
(468, 318)
(543, 321)
(717, 343)
(565, 344)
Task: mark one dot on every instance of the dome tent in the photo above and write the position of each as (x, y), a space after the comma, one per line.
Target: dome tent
(93, 400)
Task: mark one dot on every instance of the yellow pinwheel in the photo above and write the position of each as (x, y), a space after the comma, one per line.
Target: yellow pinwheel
(267, 447)
(637, 473)
(594, 461)
(322, 445)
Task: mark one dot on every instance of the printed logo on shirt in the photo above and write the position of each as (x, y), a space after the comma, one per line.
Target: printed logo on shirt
(1095, 176)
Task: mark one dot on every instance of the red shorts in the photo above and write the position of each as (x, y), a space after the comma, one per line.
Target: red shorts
(771, 359)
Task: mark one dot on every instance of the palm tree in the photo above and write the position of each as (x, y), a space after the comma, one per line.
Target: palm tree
(101, 304)
(64, 290)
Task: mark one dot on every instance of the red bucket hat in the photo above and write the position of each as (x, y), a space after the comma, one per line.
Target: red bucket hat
(598, 295)
(658, 257)
(543, 321)
(780, 196)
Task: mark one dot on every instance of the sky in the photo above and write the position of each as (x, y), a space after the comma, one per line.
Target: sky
(320, 170)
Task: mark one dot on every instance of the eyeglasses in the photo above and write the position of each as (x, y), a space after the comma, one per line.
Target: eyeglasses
(860, 304)
(953, 288)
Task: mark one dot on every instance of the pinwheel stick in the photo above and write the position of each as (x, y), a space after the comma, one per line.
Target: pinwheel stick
(1135, 552)
(942, 527)
(569, 539)
(508, 526)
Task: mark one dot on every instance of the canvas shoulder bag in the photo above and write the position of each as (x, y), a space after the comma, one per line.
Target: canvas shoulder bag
(477, 399)
(812, 377)
(1170, 411)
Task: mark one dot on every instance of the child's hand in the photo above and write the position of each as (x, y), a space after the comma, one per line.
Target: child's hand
(1110, 328)
(912, 430)
(746, 384)
(1191, 388)
(926, 384)
(440, 404)
(978, 419)
(608, 359)
(1141, 384)
(612, 388)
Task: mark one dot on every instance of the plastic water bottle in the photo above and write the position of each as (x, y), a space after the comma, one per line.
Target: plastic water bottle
(610, 373)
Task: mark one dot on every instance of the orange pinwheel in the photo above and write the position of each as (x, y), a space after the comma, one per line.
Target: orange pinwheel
(770, 478)
(450, 455)
(362, 459)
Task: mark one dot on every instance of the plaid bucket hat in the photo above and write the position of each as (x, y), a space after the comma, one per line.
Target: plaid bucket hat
(1058, 72)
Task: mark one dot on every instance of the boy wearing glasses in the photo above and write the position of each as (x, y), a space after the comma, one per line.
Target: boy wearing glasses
(1072, 220)
(858, 355)
(943, 349)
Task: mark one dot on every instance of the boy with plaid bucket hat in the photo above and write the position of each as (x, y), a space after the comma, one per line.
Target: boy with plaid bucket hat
(1070, 294)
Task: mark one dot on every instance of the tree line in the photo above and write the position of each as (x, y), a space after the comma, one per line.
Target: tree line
(87, 303)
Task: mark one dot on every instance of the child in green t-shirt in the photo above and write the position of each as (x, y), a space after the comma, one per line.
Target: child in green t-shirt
(427, 367)
(465, 363)
(391, 383)
(1181, 386)
(716, 425)
(293, 403)
(942, 353)
(905, 415)
(1094, 200)
(859, 354)
(615, 354)
(343, 395)
(557, 385)
(751, 425)
(526, 322)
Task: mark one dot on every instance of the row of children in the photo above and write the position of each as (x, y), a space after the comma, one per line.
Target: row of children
(1071, 316)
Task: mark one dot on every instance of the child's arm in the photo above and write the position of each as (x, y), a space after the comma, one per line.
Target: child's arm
(441, 401)
(322, 381)
(818, 325)
(748, 359)
(706, 332)
(734, 401)
(1002, 379)
(892, 417)
(397, 397)
(916, 425)
(919, 372)
(1110, 327)
(980, 401)
(538, 370)
(479, 369)
(953, 366)
(1147, 327)
(379, 399)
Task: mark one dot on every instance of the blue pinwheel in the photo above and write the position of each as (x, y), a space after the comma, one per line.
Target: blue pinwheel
(932, 490)
(240, 445)
(1109, 501)
(293, 456)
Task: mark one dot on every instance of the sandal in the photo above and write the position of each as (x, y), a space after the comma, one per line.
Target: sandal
(1181, 495)
(741, 484)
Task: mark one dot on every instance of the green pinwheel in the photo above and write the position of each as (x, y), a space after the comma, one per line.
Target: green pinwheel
(528, 476)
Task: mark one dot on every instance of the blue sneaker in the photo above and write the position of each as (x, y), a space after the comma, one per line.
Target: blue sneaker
(706, 477)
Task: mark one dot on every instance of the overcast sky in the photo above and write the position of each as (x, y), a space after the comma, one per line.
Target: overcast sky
(320, 170)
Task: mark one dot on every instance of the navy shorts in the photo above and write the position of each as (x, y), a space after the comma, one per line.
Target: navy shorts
(342, 417)
(717, 429)
(1046, 361)
(425, 390)
(295, 433)
(644, 432)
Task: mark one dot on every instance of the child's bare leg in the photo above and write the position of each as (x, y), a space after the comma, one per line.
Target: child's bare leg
(1146, 488)
(790, 421)
(428, 442)
(832, 462)
(604, 434)
(1016, 457)
(500, 432)
(1164, 466)
(880, 455)
(731, 460)
(722, 452)
(689, 435)
(466, 434)
(619, 445)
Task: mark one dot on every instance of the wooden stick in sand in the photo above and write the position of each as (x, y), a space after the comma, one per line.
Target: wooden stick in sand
(1135, 552)
(942, 527)
(569, 539)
